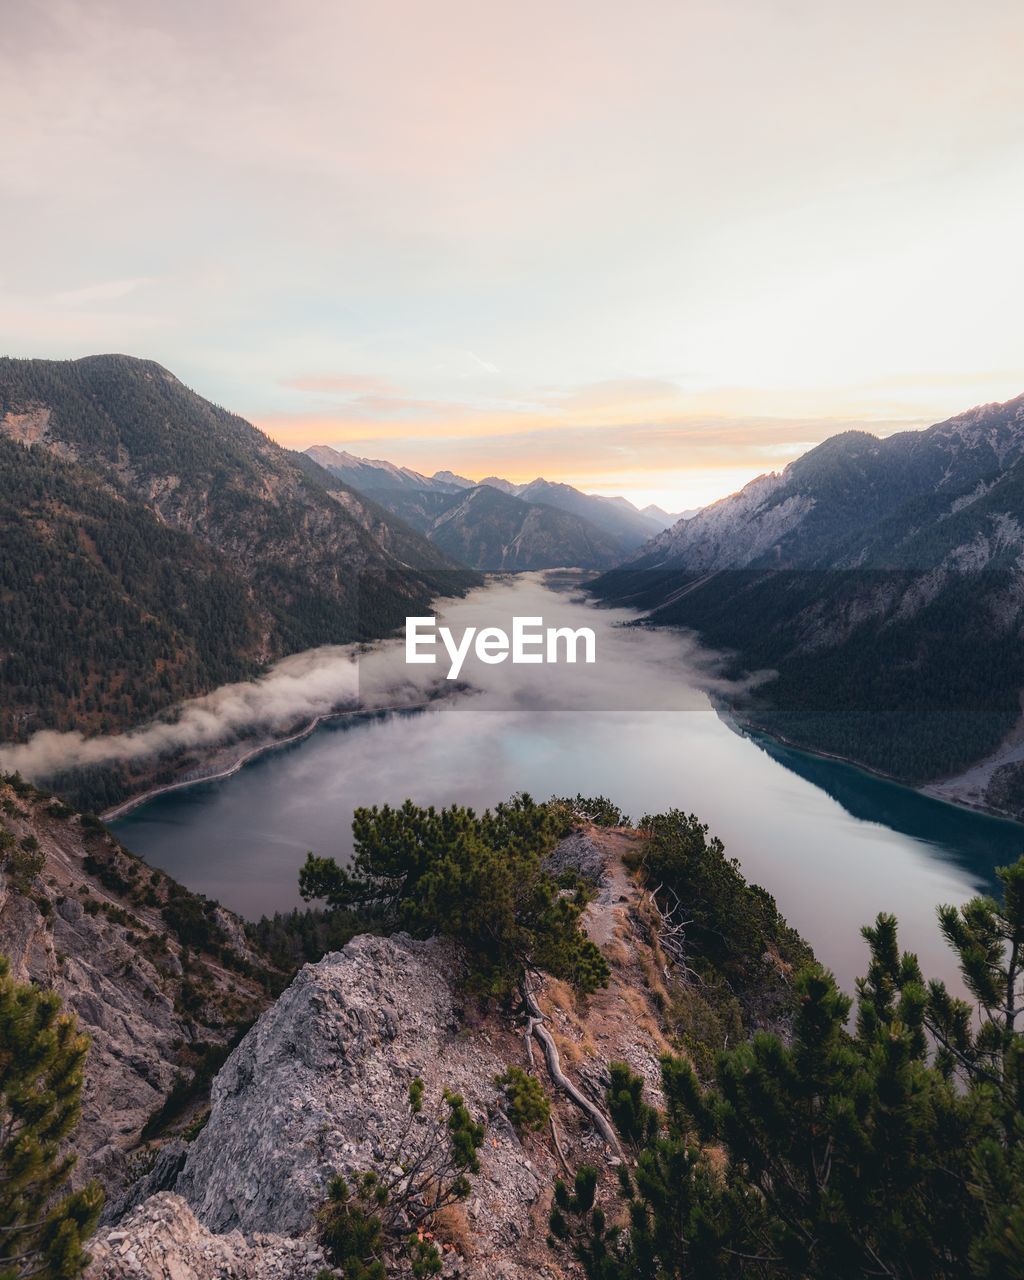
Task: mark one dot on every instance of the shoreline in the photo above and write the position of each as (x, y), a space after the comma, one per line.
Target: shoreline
(220, 772)
(928, 790)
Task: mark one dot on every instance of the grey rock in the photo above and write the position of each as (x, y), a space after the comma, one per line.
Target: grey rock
(578, 853)
(320, 1085)
(161, 1240)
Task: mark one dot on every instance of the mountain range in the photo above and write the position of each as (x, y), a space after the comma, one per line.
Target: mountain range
(880, 580)
(538, 525)
(155, 546)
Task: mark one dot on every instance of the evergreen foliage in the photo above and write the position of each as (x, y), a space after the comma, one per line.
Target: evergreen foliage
(20, 860)
(738, 947)
(155, 616)
(597, 809)
(478, 880)
(889, 1148)
(43, 1225)
(179, 545)
(526, 1104)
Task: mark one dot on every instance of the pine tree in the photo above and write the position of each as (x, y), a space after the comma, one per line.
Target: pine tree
(43, 1225)
(985, 1048)
(477, 879)
(845, 1152)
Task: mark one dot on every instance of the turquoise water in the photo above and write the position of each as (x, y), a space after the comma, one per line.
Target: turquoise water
(834, 845)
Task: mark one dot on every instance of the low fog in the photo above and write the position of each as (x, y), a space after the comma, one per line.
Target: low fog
(636, 669)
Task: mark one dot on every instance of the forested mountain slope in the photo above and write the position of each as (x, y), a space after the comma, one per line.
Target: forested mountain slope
(489, 529)
(880, 579)
(153, 545)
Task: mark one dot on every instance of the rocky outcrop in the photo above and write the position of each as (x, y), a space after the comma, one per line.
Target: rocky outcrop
(580, 854)
(87, 922)
(163, 1240)
(320, 1085)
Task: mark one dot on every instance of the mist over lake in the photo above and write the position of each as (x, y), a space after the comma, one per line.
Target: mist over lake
(834, 845)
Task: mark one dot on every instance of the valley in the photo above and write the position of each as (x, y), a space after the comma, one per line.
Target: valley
(511, 641)
(619, 727)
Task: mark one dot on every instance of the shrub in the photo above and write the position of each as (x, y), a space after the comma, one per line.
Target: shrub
(479, 880)
(43, 1224)
(597, 809)
(526, 1103)
(372, 1216)
(21, 860)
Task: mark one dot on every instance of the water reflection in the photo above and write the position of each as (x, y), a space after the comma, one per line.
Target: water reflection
(835, 846)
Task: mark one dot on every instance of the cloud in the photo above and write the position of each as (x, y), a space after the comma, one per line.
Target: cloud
(485, 365)
(104, 291)
(323, 680)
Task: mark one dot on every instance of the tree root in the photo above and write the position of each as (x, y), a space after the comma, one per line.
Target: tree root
(537, 1028)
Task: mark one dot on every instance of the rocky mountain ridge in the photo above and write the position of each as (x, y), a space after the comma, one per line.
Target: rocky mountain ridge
(880, 585)
(825, 509)
(492, 530)
(421, 500)
(320, 1082)
(160, 979)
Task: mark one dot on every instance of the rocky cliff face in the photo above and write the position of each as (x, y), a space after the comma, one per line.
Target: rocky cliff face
(87, 919)
(852, 500)
(880, 583)
(320, 1085)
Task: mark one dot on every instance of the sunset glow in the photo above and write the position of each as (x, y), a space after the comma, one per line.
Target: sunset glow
(532, 239)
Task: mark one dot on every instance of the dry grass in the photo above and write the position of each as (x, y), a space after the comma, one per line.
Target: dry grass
(451, 1226)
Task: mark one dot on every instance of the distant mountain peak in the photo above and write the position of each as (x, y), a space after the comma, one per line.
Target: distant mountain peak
(496, 482)
(450, 477)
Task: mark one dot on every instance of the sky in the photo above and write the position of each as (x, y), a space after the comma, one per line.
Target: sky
(653, 248)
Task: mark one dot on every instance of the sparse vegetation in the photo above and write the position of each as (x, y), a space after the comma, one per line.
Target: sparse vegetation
(20, 860)
(371, 1217)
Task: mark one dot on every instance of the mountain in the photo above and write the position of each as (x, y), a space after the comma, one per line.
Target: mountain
(616, 516)
(450, 478)
(163, 980)
(176, 543)
(503, 486)
(369, 475)
(665, 518)
(881, 580)
(489, 529)
(421, 500)
(843, 489)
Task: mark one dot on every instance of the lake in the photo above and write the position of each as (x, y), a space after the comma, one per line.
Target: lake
(833, 844)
